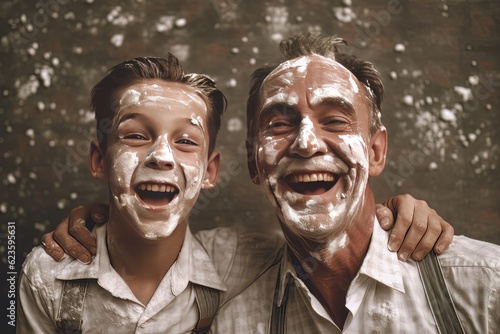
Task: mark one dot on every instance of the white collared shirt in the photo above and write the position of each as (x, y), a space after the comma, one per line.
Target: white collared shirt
(386, 296)
(219, 258)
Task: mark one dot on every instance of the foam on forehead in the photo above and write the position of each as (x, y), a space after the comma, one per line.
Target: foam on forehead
(302, 64)
(152, 93)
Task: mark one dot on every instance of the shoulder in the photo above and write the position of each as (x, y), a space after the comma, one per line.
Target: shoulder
(41, 270)
(240, 257)
(231, 241)
(472, 273)
(467, 252)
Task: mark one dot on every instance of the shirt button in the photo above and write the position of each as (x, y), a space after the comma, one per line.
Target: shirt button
(143, 325)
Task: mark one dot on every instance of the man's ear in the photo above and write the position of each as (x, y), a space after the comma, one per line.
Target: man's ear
(252, 166)
(97, 160)
(378, 152)
(212, 173)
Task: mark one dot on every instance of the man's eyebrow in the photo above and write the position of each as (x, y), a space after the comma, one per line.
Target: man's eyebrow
(338, 102)
(279, 108)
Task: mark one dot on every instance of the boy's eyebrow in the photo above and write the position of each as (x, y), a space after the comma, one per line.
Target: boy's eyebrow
(127, 116)
(196, 122)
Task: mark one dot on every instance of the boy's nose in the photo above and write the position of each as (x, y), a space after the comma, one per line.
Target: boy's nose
(161, 155)
(307, 142)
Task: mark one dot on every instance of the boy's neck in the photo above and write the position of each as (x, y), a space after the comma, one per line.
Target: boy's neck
(142, 263)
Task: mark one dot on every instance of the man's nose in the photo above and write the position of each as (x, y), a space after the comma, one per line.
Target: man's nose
(308, 143)
(161, 155)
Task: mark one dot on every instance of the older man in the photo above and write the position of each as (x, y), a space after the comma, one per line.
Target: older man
(315, 138)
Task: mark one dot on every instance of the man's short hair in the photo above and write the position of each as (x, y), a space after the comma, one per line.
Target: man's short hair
(332, 47)
(104, 99)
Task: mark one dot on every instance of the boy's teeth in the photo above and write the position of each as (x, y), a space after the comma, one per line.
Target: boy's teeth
(314, 177)
(157, 188)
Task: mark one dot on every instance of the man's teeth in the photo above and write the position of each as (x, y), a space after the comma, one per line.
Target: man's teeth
(162, 188)
(314, 177)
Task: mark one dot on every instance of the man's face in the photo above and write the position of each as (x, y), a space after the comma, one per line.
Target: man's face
(311, 144)
(157, 155)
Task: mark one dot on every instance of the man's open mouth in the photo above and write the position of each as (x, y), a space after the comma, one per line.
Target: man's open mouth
(155, 194)
(311, 183)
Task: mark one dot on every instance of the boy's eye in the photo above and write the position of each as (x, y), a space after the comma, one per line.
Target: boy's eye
(185, 141)
(135, 136)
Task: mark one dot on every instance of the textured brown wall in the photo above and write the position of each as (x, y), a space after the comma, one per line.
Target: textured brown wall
(439, 59)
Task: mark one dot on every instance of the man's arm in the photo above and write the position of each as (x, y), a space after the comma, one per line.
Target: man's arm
(72, 236)
(417, 230)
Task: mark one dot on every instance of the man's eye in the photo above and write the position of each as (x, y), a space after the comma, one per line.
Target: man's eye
(336, 124)
(278, 124)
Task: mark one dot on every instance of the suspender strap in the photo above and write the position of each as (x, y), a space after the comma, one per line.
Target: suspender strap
(438, 296)
(278, 319)
(69, 319)
(208, 301)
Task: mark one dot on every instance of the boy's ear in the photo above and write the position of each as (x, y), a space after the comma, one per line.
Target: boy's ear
(96, 160)
(212, 173)
(378, 152)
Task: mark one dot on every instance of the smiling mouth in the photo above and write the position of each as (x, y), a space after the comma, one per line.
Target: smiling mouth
(311, 183)
(156, 194)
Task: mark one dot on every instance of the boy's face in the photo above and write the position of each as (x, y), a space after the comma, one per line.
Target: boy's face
(156, 160)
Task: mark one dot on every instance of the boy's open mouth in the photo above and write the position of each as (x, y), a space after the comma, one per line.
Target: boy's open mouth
(155, 194)
(311, 183)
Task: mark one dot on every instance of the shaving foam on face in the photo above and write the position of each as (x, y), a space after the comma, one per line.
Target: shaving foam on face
(310, 82)
(157, 161)
(307, 137)
(161, 151)
(154, 95)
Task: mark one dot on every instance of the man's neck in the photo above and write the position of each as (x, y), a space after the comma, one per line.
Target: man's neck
(142, 263)
(331, 269)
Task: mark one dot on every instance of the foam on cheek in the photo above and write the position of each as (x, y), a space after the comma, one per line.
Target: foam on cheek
(307, 138)
(193, 175)
(355, 147)
(268, 152)
(124, 167)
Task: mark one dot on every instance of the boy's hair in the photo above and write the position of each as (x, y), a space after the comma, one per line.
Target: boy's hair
(315, 44)
(103, 96)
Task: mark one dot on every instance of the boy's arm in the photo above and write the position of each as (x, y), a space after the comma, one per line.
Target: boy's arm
(420, 226)
(417, 230)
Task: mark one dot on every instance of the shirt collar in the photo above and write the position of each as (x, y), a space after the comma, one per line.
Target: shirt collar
(380, 264)
(192, 265)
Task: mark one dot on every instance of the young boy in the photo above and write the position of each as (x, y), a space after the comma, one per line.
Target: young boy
(156, 131)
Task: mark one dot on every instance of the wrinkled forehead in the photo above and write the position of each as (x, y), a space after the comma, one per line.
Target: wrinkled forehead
(315, 77)
(310, 66)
